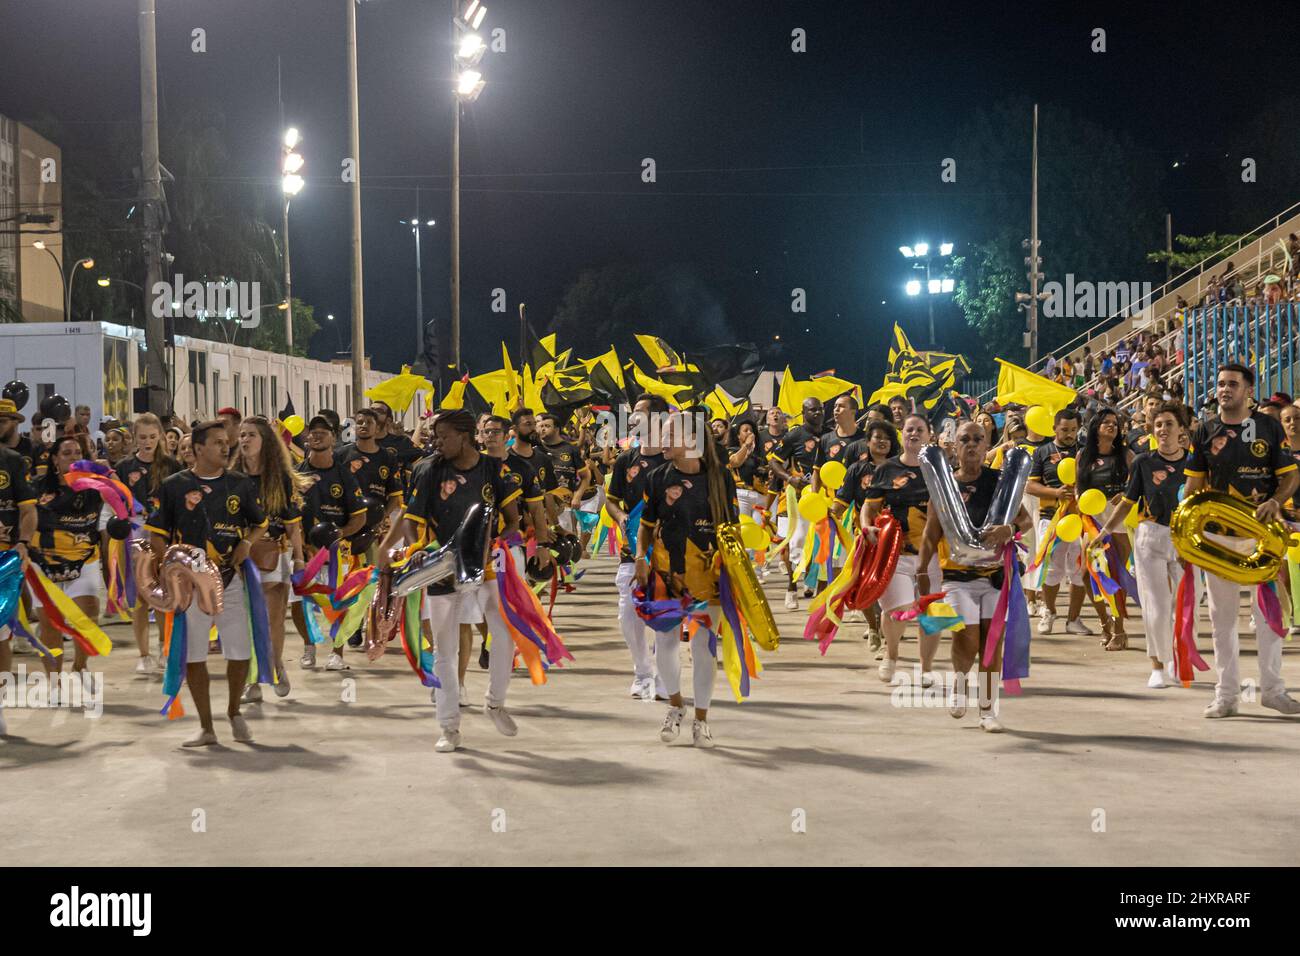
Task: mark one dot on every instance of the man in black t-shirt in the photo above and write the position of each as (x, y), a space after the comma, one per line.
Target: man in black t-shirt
(376, 469)
(1245, 454)
(627, 490)
(449, 485)
(388, 436)
(1045, 485)
(566, 465)
(794, 462)
(217, 510)
(845, 431)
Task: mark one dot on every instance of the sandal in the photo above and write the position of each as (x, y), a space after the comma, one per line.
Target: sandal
(1118, 643)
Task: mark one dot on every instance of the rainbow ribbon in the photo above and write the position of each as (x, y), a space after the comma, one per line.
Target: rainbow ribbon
(63, 613)
(1185, 654)
(1010, 625)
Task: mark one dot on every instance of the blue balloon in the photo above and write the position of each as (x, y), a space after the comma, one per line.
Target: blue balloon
(11, 584)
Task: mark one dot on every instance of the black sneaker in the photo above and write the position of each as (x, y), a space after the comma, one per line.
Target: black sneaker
(356, 639)
(483, 658)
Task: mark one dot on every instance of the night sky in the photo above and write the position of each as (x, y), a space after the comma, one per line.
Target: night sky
(807, 169)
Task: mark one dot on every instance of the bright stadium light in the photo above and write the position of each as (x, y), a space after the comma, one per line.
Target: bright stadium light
(907, 251)
(913, 287)
(292, 184)
(935, 285)
(469, 84)
(945, 248)
(291, 137)
(922, 249)
(948, 285)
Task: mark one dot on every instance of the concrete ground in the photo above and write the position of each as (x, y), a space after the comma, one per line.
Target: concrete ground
(819, 767)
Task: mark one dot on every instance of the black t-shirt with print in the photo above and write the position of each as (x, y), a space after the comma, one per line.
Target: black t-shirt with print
(677, 506)
(135, 474)
(978, 497)
(405, 451)
(443, 494)
(1154, 483)
(1138, 441)
(539, 463)
(857, 450)
(770, 445)
(565, 462)
(208, 513)
(752, 469)
(903, 490)
(290, 512)
(334, 495)
(1047, 457)
(627, 483)
(25, 451)
(836, 448)
(1244, 459)
(67, 526)
(1106, 473)
(857, 480)
(15, 490)
(801, 450)
(378, 474)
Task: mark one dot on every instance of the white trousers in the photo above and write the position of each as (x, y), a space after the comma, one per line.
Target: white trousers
(1225, 603)
(748, 500)
(1064, 563)
(704, 666)
(635, 632)
(1158, 572)
(444, 612)
(798, 533)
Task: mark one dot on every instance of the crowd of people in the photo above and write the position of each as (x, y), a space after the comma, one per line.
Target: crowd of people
(243, 490)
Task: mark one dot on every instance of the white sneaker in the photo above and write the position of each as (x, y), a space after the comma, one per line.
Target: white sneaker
(336, 663)
(1045, 622)
(957, 704)
(1283, 703)
(792, 600)
(145, 665)
(672, 725)
(282, 686)
(990, 724)
(501, 719)
(252, 695)
(1171, 678)
(647, 692)
(464, 698)
(239, 727)
(1078, 627)
(1158, 680)
(1221, 708)
(886, 670)
(308, 658)
(855, 617)
(448, 742)
(204, 738)
(927, 678)
(700, 734)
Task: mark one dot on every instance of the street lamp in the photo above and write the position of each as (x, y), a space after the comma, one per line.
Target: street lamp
(942, 285)
(66, 280)
(415, 223)
(291, 164)
(468, 49)
(338, 336)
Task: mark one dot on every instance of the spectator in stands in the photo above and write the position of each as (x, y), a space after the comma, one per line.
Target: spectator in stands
(1089, 365)
(1049, 367)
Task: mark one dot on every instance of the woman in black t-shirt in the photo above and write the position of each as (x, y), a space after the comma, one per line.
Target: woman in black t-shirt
(1102, 465)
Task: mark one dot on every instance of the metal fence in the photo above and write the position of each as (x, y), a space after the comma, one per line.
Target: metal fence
(1261, 336)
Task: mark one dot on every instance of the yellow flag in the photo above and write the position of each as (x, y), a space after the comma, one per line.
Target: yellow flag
(455, 397)
(1019, 386)
(794, 392)
(655, 387)
(661, 354)
(511, 379)
(495, 391)
(399, 391)
(610, 362)
(720, 406)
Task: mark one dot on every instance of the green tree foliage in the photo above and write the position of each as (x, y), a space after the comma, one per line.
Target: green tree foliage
(269, 334)
(988, 276)
(1195, 249)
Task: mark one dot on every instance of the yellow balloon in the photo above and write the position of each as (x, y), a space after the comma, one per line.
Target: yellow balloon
(1069, 528)
(1134, 517)
(754, 537)
(832, 474)
(1067, 470)
(1092, 501)
(294, 424)
(1039, 420)
(747, 519)
(813, 508)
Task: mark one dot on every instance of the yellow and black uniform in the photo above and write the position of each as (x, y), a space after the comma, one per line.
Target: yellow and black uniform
(278, 521)
(1244, 459)
(1154, 483)
(23, 447)
(770, 444)
(405, 452)
(442, 494)
(208, 513)
(565, 462)
(379, 476)
(1138, 440)
(978, 496)
(902, 489)
(750, 473)
(137, 475)
(627, 484)
(538, 463)
(334, 495)
(800, 450)
(68, 527)
(15, 490)
(857, 450)
(677, 513)
(1107, 473)
(519, 477)
(1047, 458)
(857, 481)
(835, 447)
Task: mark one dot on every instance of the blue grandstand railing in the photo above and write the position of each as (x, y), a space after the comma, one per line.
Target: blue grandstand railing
(1261, 336)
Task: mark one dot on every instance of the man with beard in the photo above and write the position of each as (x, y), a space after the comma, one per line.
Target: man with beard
(566, 464)
(334, 500)
(845, 431)
(389, 436)
(796, 462)
(525, 454)
(10, 438)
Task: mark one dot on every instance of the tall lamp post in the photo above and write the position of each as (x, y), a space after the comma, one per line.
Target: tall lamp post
(469, 49)
(338, 335)
(66, 280)
(943, 285)
(290, 167)
(415, 224)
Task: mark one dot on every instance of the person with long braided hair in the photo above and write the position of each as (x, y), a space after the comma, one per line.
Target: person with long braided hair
(443, 489)
(686, 499)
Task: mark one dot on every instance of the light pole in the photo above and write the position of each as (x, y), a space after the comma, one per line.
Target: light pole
(468, 49)
(415, 224)
(338, 336)
(66, 280)
(941, 286)
(290, 167)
